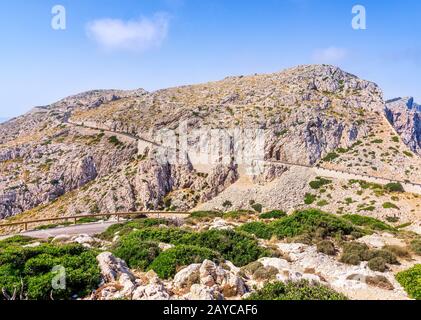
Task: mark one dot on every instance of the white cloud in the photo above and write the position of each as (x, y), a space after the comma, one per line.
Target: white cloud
(133, 35)
(329, 55)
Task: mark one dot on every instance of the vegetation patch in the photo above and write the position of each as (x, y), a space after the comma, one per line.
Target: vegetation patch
(331, 156)
(125, 228)
(313, 221)
(169, 262)
(416, 246)
(410, 280)
(137, 254)
(319, 183)
(354, 253)
(390, 205)
(394, 187)
(301, 290)
(369, 222)
(259, 229)
(326, 247)
(309, 198)
(274, 214)
(33, 267)
(237, 247)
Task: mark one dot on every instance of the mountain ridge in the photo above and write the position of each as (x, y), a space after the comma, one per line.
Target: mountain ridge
(50, 166)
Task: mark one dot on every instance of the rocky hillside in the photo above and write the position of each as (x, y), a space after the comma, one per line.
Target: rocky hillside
(98, 151)
(405, 116)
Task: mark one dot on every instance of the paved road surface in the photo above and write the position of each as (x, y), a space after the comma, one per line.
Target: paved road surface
(89, 229)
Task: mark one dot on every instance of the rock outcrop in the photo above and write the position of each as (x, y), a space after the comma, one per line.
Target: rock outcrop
(405, 116)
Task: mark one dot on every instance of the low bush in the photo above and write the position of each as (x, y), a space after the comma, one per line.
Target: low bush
(309, 198)
(274, 214)
(416, 246)
(398, 251)
(410, 280)
(265, 273)
(204, 216)
(137, 254)
(169, 262)
(301, 290)
(390, 205)
(326, 247)
(237, 247)
(257, 207)
(34, 268)
(319, 183)
(259, 229)
(377, 264)
(355, 252)
(394, 187)
(15, 241)
(251, 268)
(312, 221)
(331, 156)
(239, 214)
(127, 227)
(369, 222)
(166, 235)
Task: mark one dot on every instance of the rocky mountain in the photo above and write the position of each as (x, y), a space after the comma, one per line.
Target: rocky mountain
(405, 116)
(101, 151)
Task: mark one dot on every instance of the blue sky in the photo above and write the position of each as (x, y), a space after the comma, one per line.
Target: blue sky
(154, 44)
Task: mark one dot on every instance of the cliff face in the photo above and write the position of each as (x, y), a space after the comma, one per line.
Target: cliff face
(94, 153)
(405, 117)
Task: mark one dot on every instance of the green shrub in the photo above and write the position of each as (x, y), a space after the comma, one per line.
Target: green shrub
(377, 264)
(169, 262)
(398, 251)
(416, 246)
(265, 273)
(251, 268)
(274, 214)
(326, 247)
(227, 204)
(390, 205)
(310, 221)
(309, 198)
(369, 222)
(355, 252)
(319, 183)
(34, 266)
(392, 219)
(331, 156)
(322, 203)
(259, 229)
(301, 290)
(166, 235)
(257, 207)
(114, 140)
(87, 220)
(394, 187)
(127, 227)
(237, 214)
(204, 215)
(135, 253)
(410, 280)
(237, 247)
(15, 241)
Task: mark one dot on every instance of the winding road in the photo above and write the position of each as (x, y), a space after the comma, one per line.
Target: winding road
(88, 229)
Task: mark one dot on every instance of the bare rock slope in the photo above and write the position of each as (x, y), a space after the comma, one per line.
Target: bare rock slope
(96, 151)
